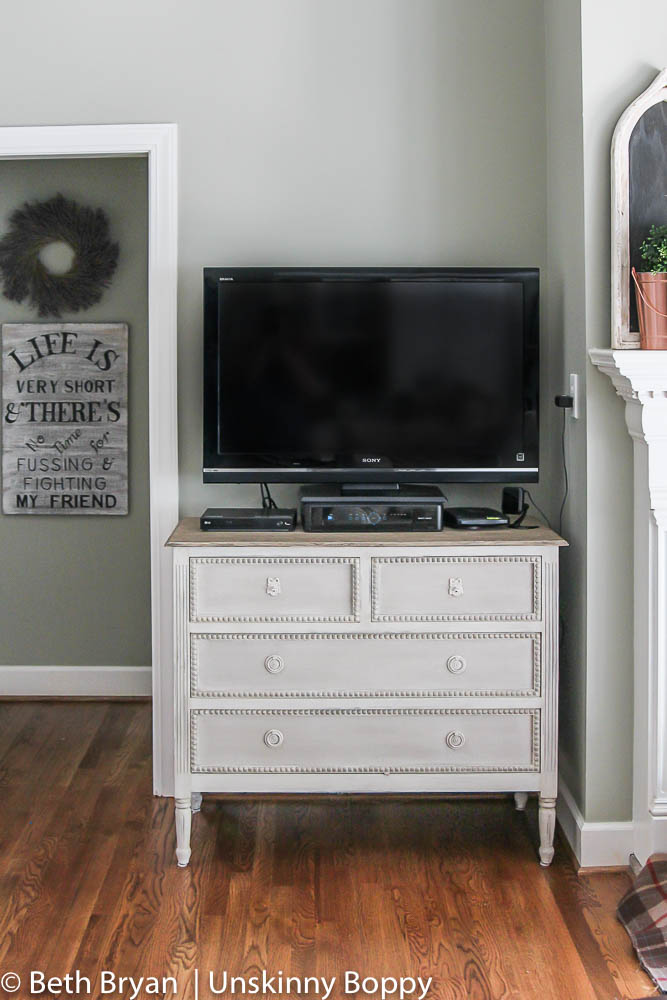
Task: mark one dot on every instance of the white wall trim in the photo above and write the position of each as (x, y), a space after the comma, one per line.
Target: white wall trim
(595, 845)
(159, 143)
(75, 682)
(640, 379)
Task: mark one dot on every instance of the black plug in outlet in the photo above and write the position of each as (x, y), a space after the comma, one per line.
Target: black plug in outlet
(565, 402)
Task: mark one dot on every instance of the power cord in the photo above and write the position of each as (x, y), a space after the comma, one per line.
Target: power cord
(514, 502)
(565, 402)
(518, 522)
(268, 503)
(565, 474)
(537, 508)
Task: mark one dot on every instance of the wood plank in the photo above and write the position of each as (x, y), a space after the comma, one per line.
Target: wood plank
(74, 866)
(588, 903)
(13, 717)
(187, 532)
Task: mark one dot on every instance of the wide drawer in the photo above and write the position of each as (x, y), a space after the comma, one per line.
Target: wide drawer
(363, 740)
(456, 588)
(357, 665)
(274, 589)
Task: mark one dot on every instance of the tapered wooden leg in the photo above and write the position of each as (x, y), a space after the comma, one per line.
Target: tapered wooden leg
(183, 824)
(547, 821)
(520, 799)
(195, 799)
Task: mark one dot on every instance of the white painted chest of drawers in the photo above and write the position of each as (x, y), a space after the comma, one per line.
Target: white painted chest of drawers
(365, 664)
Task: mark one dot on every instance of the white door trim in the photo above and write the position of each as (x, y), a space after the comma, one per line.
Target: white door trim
(159, 143)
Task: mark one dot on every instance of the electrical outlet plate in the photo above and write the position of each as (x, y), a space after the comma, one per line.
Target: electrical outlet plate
(574, 392)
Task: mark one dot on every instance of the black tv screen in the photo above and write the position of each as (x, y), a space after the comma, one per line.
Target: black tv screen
(403, 375)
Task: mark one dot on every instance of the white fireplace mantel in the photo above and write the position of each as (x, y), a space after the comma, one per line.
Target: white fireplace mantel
(640, 378)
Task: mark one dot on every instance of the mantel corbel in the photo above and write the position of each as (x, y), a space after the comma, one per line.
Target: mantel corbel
(640, 378)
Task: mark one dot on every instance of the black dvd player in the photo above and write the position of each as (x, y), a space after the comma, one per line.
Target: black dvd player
(407, 508)
(248, 519)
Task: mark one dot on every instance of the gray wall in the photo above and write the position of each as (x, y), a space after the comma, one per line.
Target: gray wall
(76, 590)
(372, 132)
(354, 132)
(565, 325)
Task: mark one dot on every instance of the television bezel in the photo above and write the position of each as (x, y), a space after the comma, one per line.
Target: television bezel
(214, 473)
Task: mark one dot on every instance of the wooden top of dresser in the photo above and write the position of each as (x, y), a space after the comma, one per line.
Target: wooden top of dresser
(187, 532)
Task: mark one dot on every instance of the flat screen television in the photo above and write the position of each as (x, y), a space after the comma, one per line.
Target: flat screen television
(371, 375)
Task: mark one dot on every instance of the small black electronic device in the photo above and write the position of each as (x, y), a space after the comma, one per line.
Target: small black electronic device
(474, 518)
(514, 500)
(248, 519)
(406, 508)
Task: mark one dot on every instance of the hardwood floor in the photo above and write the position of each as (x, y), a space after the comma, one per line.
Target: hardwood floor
(448, 889)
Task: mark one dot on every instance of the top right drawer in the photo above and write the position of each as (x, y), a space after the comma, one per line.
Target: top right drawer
(456, 588)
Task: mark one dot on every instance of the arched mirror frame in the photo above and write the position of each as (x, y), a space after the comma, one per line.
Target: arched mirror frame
(622, 336)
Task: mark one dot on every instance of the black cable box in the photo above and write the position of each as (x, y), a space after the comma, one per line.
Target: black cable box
(248, 519)
(404, 508)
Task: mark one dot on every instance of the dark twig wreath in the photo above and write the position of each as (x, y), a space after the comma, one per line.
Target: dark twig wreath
(36, 225)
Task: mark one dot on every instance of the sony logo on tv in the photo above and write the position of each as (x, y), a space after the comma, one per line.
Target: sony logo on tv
(371, 460)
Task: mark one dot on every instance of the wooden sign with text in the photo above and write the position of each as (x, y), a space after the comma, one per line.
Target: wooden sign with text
(64, 418)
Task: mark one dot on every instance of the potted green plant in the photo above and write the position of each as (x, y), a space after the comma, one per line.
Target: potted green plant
(651, 287)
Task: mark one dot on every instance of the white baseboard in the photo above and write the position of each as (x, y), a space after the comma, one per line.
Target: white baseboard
(75, 682)
(595, 845)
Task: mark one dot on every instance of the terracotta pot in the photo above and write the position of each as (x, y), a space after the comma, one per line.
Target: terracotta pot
(651, 288)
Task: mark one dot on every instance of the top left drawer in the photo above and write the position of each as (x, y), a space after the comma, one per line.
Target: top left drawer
(274, 589)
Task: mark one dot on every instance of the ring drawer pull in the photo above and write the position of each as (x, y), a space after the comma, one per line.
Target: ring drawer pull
(273, 586)
(274, 664)
(273, 738)
(455, 740)
(456, 664)
(455, 586)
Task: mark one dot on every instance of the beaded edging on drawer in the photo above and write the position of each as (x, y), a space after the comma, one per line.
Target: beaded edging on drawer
(534, 766)
(352, 561)
(534, 637)
(534, 615)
